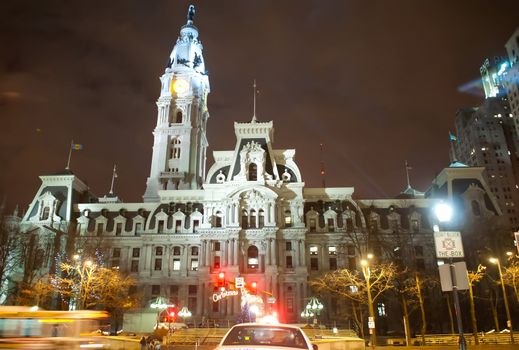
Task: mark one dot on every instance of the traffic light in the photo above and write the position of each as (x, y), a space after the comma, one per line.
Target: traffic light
(221, 280)
(253, 288)
(171, 315)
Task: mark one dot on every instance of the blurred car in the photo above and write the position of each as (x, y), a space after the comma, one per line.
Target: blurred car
(258, 336)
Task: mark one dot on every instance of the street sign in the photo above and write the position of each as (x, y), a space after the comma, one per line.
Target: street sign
(460, 271)
(448, 244)
(371, 325)
(271, 300)
(239, 282)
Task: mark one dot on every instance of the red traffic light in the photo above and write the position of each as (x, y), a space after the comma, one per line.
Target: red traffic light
(221, 279)
(172, 314)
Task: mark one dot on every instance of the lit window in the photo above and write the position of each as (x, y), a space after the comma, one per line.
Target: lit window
(313, 250)
(332, 250)
(176, 264)
(354, 289)
(194, 264)
(381, 308)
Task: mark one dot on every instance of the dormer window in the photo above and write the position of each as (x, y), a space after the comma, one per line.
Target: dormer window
(178, 119)
(45, 213)
(253, 172)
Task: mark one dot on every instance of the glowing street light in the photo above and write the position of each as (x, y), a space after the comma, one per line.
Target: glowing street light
(505, 299)
(307, 314)
(443, 212)
(314, 306)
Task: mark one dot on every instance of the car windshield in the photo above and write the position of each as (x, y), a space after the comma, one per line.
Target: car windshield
(266, 335)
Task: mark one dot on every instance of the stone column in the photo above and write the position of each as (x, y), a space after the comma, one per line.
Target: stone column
(208, 253)
(236, 249)
(273, 248)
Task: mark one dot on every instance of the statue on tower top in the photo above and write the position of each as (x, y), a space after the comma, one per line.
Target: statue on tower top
(191, 13)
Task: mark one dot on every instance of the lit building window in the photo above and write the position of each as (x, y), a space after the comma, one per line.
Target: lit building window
(332, 250)
(313, 250)
(381, 308)
(176, 264)
(194, 264)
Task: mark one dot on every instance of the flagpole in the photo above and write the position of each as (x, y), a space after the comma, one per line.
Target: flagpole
(407, 173)
(113, 179)
(69, 155)
(254, 113)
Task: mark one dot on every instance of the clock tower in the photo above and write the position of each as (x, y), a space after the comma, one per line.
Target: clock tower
(180, 142)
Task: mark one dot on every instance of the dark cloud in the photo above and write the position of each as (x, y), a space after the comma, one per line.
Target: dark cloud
(375, 81)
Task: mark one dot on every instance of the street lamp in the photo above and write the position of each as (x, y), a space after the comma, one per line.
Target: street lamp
(505, 299)
(161, 304)
(366, 271)
(314, 306)
(443, 212)
(184, 313)
(307, 314)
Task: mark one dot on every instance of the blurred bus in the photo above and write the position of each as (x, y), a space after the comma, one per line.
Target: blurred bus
(24, 327)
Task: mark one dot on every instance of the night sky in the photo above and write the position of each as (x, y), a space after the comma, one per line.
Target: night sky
(375, 81)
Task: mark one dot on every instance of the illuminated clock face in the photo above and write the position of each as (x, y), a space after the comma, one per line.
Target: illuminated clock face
(180, 86)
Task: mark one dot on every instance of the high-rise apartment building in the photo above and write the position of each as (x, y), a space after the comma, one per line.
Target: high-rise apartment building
(487, 137)
(512, 77)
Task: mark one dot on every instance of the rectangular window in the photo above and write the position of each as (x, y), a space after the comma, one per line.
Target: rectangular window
(196, 224)
(216, 246)
(176, 250)
(312, 225)
(330, 225)
(173, 294)
(158, 250)
(191, 303)
(118, 229)
(290, 305)
(99, 229)
(332, 250)
(351, 250)
(176, 264)
(192, 289)
(288, 245)
(333, 263)
(216, 264)
(116, 253)
(314, 264)
(288, 259)
(115, 263)
(194, 264)
(161, 226)
(155, 289)
(352, 263)
(136, 252)
(313, 250)
(158, 264)
(135, 266)
(178, 225)
(194, 251)
(138, 227)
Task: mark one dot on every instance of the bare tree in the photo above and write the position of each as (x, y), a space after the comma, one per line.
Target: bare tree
(511, 277)
(474, 277)
(363, 287)
(38, 293)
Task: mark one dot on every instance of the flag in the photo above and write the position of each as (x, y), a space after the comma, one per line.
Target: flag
(76, 146)
(452, 137)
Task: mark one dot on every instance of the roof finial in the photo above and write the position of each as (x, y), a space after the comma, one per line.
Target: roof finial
(255, 92)
(190, 14)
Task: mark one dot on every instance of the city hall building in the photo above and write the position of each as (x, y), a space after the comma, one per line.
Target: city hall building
(248, 214)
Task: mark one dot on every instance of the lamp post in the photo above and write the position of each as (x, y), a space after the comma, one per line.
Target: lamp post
(314, 306)
(307, 314)
(366, 271)
(505, 299)
(160, 304)
(184, 313)
(443, 213)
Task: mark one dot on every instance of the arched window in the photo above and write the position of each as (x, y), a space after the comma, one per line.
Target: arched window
(244, 219)
(288, 218)
(175, 149)
(253, 172)
(261, 218)
(252, 221)
(218, 219)
(475, 209)
(179, 117)
(45, 213)
(252, 257)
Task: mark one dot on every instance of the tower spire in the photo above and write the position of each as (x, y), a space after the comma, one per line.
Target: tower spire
(254, 120)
